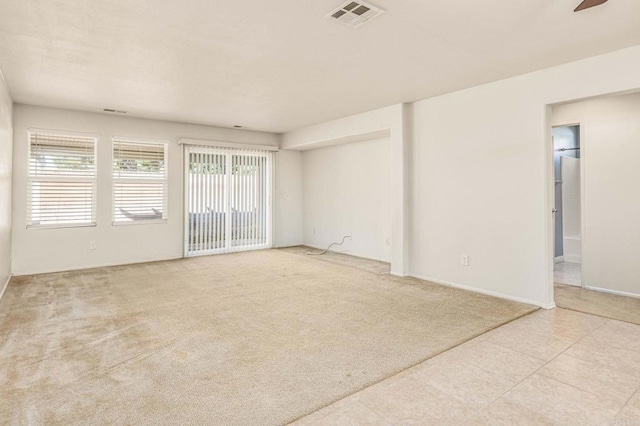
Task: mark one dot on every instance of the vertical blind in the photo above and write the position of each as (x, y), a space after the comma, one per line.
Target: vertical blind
(228, 200)
(139, 181)
(62, 180)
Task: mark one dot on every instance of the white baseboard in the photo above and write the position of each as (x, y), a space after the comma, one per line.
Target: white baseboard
(570, 284)
(399, 274)
(558, 259)
(336, 249)
(573, 258)
(98, 265)
(487, 292)
(4, 287)
(286, 245)
(615, 292)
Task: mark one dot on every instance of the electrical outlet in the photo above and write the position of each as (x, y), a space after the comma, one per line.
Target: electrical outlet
(92, 245)
(464, 260)
(388, 241)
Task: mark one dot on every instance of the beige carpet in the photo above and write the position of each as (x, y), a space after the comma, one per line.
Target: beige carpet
(592, 302)
(251, 338)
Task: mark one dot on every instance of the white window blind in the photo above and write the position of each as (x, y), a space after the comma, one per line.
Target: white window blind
(139, 181)
(62, 180)
(228, 200)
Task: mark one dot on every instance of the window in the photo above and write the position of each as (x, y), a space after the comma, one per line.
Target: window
(139, 181)
(62, 180)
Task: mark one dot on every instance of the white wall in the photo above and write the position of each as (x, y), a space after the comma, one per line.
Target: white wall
(480, 162)
(610, 151)
(478, 166)
(392, 123)
(6, 141)
(346, 191)
(288, 199)
(44, 250)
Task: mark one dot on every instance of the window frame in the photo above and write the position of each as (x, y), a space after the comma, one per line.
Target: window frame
(93, 180)
(141, 141)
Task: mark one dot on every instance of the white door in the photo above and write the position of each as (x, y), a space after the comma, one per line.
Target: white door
(228, 200)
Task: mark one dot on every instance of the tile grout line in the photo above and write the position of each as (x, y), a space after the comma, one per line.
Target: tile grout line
(580, 389)
(417, 364)
(628, 400)
(541, 367)
(344, 409)
(521, 353)
(544, 334)
(498, 374)
(537, 371)
(381, 417)
(433, 388)
(599, 315)
(533, 356)
(516, 382)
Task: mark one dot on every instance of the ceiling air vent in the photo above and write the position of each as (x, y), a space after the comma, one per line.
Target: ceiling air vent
(355, 13)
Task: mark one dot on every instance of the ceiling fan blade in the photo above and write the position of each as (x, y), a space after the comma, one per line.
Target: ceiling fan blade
(586, 4)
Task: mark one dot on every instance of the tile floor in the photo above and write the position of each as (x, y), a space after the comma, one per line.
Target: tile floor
(597, 303)
(567, 273)
(550, 367)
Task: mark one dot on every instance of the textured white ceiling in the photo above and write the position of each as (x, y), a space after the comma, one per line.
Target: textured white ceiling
(280, 65)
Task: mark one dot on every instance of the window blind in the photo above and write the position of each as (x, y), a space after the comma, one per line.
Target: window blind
(62, 180)
(228, 199)
(139, 181)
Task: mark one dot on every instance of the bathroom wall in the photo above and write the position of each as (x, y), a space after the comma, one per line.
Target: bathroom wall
(563, 137)
(571, 207)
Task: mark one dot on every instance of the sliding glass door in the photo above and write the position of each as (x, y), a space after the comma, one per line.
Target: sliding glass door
(228, 200)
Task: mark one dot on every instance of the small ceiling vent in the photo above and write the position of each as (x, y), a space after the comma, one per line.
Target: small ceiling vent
(355, 13)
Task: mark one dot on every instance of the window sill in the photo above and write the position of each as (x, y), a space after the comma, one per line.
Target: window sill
(140, 222)
(62, 226)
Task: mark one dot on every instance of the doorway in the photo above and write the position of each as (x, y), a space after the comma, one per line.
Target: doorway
(609, 128)
(567, 205)
(228, 200)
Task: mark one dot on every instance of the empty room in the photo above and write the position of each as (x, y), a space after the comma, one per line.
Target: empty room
(320, 212)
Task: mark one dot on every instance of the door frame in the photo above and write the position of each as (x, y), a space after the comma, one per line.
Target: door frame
(269, 188)
(580, 122)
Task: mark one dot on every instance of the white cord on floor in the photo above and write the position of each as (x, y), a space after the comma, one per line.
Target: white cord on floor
(330, 245)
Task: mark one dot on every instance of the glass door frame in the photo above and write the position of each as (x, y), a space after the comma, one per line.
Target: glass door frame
(229, 153)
